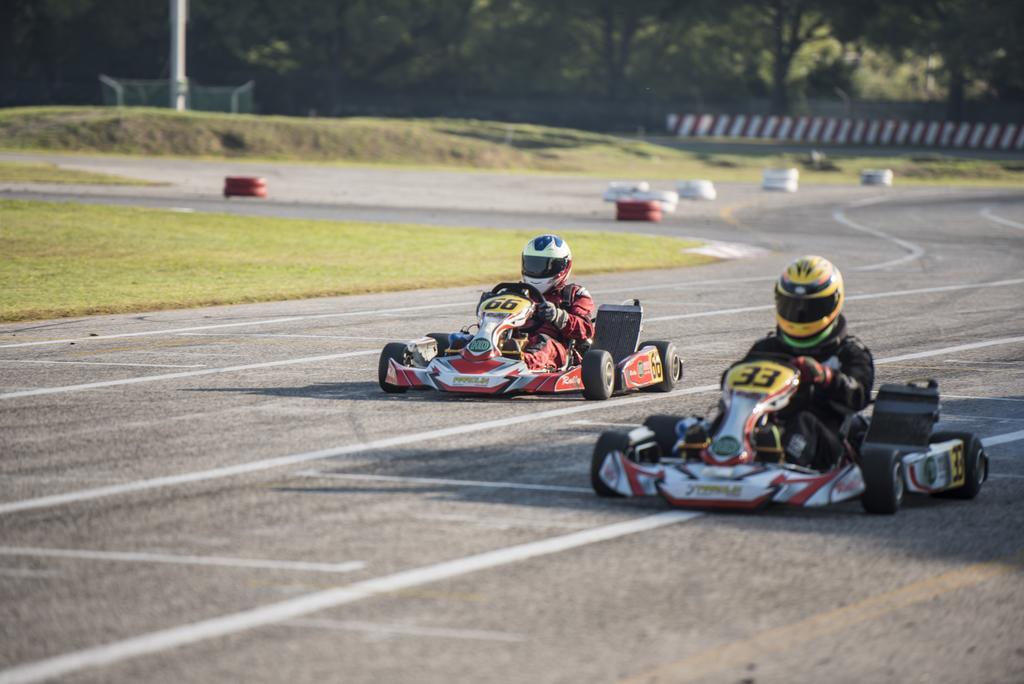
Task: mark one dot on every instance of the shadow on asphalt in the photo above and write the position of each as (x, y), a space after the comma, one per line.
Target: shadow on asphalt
(370, 391)
(926, 527)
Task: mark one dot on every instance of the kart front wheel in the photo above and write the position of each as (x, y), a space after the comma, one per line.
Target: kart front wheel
(975, 464)
(598, 374)
(883, 480)
(664, 429)
(606, 443)
(671, 365)
(399, 353)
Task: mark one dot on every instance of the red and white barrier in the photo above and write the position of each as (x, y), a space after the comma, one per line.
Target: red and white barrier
(836, 131)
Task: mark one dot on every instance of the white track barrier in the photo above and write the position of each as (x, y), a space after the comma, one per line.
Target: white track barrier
(842, 131)
(697, 189)
(782, 180)
(618, 190)
(876, 177)
(665, 198)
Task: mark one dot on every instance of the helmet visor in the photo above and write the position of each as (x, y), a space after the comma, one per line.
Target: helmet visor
(543, 267)
(805, 309)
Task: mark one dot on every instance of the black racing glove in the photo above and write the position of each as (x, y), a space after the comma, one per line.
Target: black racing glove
(549, 313)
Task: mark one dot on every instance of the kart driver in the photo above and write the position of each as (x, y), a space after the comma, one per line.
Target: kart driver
(567, 313)
(564, 317)
(836, 369)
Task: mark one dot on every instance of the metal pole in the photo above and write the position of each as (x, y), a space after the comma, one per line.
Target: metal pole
(178, 80)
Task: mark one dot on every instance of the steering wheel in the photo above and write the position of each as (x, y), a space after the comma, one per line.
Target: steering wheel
(522, 289)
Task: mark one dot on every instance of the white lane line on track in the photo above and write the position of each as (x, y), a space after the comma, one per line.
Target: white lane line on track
(106, 363)
(397, 479)
(364, 312)
(290, 335)
(851, 298)
(29, 573)
(415, 438)
(987, 213)
(1005, 476)
(368, 352)
(385, 631)
(184, 374)
(951, 350)
(240, 324)
(971, 416)
(501, 522)
(321, 454)
(291, 319)
(969, 396)
(300, 606)
(1006, 438)
(173, 559)
(914, 251)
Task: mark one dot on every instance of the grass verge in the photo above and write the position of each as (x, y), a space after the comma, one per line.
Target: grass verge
(63, 259)
(18, 172)
(446, 143)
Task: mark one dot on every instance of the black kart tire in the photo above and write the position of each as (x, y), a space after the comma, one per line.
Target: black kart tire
(975, 464)
(883, 480)
(442, 342)
(671, 364)
(396, 351)
(607, 442)
(598, 375)
(664, 429)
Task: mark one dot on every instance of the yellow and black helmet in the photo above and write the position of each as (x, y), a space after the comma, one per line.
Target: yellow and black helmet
(808, 298)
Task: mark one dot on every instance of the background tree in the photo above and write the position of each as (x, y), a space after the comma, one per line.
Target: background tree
(968, 35)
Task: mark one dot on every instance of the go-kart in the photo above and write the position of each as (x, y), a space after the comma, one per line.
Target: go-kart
(491, 360)
(898, 453)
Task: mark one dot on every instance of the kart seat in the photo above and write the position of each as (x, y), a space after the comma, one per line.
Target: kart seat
(618, 329)
(904, 415)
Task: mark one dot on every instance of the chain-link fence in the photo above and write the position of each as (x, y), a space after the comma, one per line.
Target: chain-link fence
(137, 92)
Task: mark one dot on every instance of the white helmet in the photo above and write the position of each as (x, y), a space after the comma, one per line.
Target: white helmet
(547, 261)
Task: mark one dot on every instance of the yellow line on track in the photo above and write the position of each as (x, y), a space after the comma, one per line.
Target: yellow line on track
(728, 215)
(781, 638)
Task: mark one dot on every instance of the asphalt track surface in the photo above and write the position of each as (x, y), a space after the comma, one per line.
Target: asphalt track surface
(225, 494)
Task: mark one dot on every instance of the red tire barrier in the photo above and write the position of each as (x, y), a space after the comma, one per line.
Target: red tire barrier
(635, 210)
(245, 186)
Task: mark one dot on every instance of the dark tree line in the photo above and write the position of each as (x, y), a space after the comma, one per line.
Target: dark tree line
(313, 54)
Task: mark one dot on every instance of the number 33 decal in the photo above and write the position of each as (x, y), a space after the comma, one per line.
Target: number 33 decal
(755, 376)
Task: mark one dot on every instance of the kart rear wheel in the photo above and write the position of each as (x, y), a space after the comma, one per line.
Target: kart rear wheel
(606, 443)
(664, 429)
(883, 480)
(671, 364)
(398, 352)
(598, 374)
(975, 464)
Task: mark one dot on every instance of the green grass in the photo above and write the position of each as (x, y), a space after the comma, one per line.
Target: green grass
(18, 172)
(433, 142)
(445, 143)
(74, 260)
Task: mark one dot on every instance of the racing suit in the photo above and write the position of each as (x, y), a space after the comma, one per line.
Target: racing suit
(811, 422)
(548, 344)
